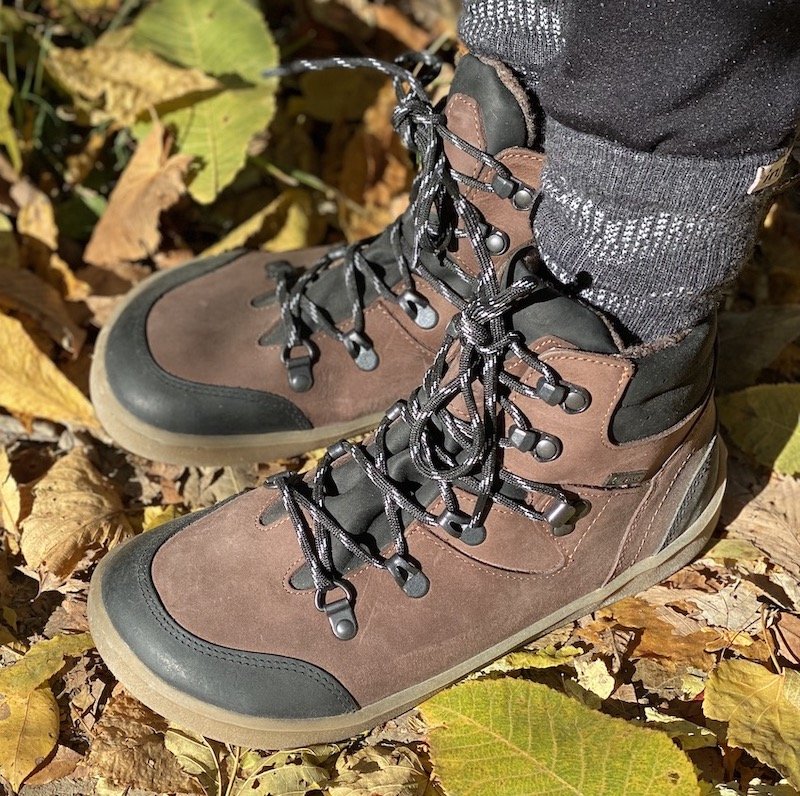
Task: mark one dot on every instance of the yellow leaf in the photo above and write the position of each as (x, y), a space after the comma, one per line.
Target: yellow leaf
(9, 496)
(28, 732)
(8, 137)
(765, 421)
(41, 662)
(511, 737)
(123, 84)
(152, 182)
(762, 710)
(31, 385)
(158, 515)
(532, 659)
(76, 515)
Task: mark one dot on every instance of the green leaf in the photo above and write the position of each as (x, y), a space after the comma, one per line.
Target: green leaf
(229, 40)
(8, 137)
(512, 737)
(762, 710)
(765, 421)
(749, 341)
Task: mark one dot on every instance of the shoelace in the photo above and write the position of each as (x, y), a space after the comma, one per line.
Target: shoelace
(435, 207)
(483, 385)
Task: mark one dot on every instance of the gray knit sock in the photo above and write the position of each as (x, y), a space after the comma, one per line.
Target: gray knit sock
(655, 237)
(525, 34)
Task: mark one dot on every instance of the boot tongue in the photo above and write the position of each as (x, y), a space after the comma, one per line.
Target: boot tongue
(485, 108)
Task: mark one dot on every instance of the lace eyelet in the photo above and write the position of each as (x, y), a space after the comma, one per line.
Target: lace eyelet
(341, 616)
(576, 400)
(360, 348)
(497, 242)
(547, 449)
(418, 308)
(298, 369)
(457, 524)
(409, 577)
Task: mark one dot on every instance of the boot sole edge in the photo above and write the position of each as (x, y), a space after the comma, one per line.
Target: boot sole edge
(251, 731)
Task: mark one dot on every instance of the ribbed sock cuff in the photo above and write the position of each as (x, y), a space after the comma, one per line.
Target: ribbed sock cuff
(525, 34)
(658, 236)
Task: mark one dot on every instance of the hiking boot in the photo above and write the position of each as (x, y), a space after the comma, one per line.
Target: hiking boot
(250, 356)
(541, 472)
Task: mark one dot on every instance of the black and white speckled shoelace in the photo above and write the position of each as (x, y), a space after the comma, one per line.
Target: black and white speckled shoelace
(433, 215)
(445, 448)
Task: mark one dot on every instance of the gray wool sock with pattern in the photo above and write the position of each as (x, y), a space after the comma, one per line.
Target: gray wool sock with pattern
(655, 238)
(524, 34)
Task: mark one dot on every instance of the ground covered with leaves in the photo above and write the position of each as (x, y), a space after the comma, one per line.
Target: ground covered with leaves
(135, 135)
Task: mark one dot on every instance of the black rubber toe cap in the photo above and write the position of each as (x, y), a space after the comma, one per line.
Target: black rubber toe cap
(254, 684)
(174, 404)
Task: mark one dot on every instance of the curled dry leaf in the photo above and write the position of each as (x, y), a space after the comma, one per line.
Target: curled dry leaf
(152, 182)
(10, 503)
(109, 83)
(393, 771)
(128, 749)
(76, 514)
(762, 710)
(25, 292)
(28, 732)
(32, 386)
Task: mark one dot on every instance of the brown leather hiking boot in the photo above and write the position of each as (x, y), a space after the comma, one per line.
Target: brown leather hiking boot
(251, 356)
(540, 473)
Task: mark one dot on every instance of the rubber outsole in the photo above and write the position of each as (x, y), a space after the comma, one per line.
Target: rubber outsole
(201, 450)
(231, 727)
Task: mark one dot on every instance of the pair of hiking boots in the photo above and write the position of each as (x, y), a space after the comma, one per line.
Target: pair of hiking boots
(540, 471)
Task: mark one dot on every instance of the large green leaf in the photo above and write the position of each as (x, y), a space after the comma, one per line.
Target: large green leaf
(229, 40)
(765, 421)
(512, 737)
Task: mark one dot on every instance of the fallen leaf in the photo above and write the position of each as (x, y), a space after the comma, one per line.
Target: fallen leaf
(545, 658)
(762, 710)
(122, 84)
(129, 749)
(658, 639)
(749, 341)
(787, 636)
(76, 514)
(60, 765)
(686, 734)
(151, 183)
(10, 506)
(766, 515)
(32, 386)
(9, 248)
(8, 136)
(595, 677)
(513, 736)
(389, 771)
(195, 757)
(764, 421)
(231, 42)
(158, 515)
(41, 662)
(28, 732)
(24, 291)
(297, 780)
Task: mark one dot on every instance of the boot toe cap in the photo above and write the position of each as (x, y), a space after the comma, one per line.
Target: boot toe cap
(127, 369)
(132, 627)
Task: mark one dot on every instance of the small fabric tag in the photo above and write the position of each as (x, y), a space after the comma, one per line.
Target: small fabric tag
(769, 175)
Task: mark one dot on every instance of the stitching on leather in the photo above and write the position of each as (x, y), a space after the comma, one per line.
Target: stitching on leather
(613, 403)
(139, 343)
(231, 656)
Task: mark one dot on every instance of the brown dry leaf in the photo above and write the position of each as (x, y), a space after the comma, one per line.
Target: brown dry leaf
(658, 638)
(767, 516)
(9, 248)
(120, 84)
(389, 771)
(32, 386)
(376, 172)
(128, 749)
(152, 182)
(76, 515)
(60, 765)
(787, 635)
(23, 291)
